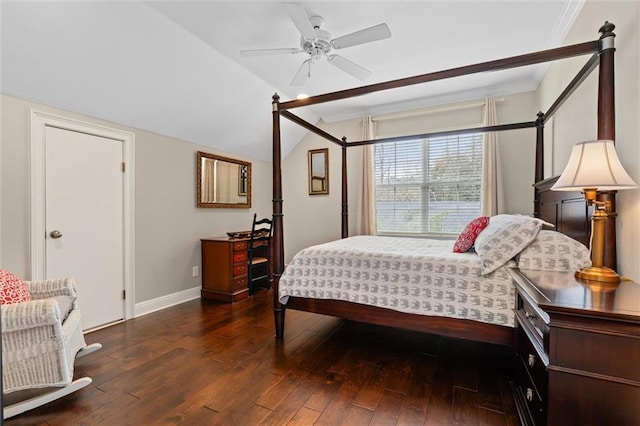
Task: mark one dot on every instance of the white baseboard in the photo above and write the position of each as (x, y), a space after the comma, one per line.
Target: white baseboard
(153, 305)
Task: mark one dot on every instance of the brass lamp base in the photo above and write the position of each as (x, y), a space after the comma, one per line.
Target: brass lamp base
(600, 274)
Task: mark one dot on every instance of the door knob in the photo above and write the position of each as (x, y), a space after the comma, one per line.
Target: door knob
(55, 234)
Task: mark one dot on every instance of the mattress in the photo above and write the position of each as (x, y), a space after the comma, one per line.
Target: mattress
(411, 275)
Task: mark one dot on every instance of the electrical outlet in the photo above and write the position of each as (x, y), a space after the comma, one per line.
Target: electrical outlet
(195, 271)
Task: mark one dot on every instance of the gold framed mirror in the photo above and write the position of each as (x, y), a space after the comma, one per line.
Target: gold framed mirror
(319, 171)
(222, 182)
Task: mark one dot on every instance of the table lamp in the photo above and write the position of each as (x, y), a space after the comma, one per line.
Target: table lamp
(594, 166)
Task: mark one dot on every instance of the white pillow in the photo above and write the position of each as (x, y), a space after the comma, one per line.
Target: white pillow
(505, 237)
(553, 251)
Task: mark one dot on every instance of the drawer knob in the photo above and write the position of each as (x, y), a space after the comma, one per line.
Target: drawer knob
(529, 394)
(530, 315)
(531, 360)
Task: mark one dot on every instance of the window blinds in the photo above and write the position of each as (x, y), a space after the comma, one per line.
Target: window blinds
(428, 186)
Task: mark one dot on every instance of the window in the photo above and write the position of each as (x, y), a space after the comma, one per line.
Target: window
(428, 186)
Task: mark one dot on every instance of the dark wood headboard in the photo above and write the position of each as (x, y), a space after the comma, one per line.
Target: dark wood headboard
(567, 210)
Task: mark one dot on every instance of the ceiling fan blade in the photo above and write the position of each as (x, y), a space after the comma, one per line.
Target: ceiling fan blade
(264, 52)
(349, 67)
(300, 19)
(375, 33)
(303, 73)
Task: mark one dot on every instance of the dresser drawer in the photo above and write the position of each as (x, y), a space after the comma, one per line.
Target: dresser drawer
(240, 283)
(240, 246)
(240, 270)
(239, 256)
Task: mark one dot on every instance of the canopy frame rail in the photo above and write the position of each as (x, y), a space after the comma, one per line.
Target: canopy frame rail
(495, 65)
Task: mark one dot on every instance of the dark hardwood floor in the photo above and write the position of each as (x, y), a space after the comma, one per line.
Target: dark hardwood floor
(205, 363)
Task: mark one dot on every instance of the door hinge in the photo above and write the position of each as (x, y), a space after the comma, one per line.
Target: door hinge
(124, 294)
(123, 166)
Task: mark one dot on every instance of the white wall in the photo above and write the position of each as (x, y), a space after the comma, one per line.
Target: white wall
(517, 152)
(576, 121)
(168, 224)
(315, 219)
(1, 186)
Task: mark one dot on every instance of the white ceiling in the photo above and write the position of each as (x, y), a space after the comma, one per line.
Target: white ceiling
(174, 68)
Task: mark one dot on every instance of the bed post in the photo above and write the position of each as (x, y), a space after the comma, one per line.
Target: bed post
(607, 130)
(539, 166)
(345, 201)
(277, 239)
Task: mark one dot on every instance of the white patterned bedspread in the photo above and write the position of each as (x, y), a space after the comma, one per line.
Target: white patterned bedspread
(412, 275)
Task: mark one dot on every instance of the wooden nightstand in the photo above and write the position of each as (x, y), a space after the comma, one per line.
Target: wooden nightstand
(578, 351)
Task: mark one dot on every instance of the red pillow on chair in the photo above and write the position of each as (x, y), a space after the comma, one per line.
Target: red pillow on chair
(12, 289)
(468, 236)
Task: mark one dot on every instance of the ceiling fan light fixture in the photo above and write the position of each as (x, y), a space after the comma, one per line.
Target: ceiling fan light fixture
(317, 47)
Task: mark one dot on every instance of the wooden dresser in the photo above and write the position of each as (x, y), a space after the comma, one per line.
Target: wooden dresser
(578, 351)
(224, 269)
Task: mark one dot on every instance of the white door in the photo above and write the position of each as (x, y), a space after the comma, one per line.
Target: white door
(84, 220)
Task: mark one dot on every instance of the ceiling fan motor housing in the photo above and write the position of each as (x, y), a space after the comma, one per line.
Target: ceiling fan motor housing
(319, 46)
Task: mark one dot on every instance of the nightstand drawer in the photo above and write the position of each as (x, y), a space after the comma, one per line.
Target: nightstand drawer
(535, 404)
(533, 363)
(532, 318)
(602, 352)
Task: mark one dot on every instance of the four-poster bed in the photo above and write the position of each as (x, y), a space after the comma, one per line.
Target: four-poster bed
(566, 210)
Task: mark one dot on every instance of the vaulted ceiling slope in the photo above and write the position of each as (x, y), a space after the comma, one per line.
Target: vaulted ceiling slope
(174, 67)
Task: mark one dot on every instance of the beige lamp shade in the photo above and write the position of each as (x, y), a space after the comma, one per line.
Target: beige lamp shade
(594, 164)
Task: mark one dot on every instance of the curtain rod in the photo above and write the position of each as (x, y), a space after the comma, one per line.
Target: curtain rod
(430, 110)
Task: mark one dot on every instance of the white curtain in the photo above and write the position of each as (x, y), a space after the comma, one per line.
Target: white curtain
(368, 198)
(492, 195)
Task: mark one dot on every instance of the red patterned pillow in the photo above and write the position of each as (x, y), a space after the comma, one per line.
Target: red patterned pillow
(12, 289)
(468, 236)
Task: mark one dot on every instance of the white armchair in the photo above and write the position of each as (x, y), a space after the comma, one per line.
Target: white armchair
(40, 341)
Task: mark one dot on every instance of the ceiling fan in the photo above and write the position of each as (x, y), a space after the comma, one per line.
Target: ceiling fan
(317, 43)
